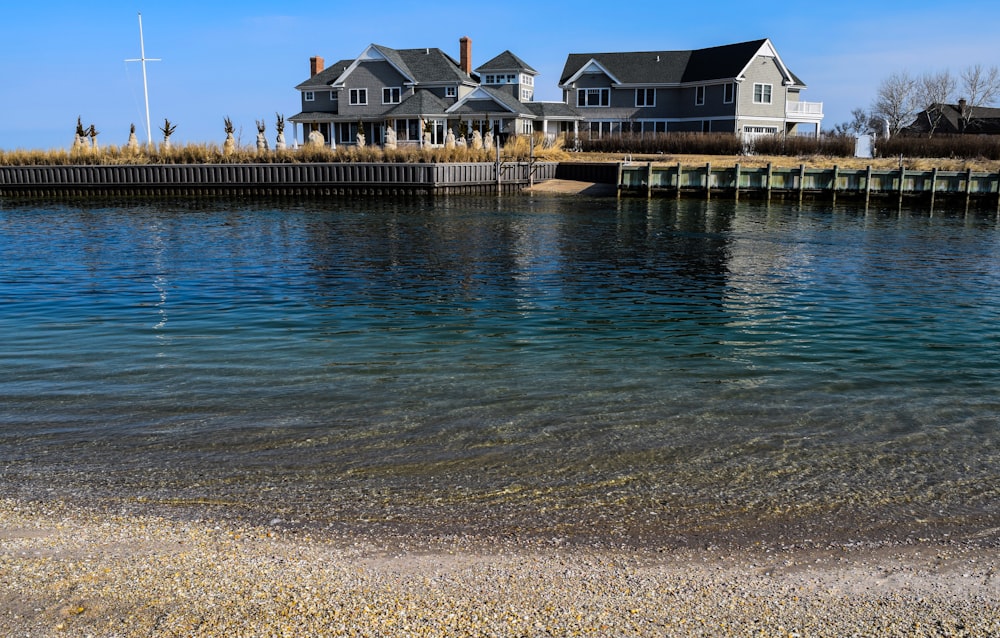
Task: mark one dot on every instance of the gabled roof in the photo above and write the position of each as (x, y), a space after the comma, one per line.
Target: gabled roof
(422, 102)
(427, 66)
(322, 80)
(984, 121)
(673, 67)
(487, 100)
(553, 111)
(506, 61)
(433, 66)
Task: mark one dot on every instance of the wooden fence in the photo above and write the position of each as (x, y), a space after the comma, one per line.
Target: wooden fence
(272, 179)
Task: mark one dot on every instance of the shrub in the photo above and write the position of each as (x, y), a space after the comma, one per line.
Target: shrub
(798, 145)
(968, 147)
(667, 143)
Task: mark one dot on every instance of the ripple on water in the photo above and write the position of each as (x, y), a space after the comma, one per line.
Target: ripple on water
(690, 360)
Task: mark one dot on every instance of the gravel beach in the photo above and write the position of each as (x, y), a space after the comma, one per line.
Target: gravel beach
(67, 571)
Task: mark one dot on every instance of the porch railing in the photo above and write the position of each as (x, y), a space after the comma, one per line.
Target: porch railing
(804, 108)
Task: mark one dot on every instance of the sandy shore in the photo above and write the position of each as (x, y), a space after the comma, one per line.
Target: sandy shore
(72, 572)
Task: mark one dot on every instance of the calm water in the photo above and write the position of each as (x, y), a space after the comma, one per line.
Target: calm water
(657, 370)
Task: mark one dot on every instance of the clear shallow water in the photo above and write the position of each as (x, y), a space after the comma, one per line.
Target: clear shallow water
(658, 370)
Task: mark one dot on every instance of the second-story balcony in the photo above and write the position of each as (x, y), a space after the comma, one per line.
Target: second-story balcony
(804, 111)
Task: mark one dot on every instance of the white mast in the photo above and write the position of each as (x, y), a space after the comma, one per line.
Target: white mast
(145, 90)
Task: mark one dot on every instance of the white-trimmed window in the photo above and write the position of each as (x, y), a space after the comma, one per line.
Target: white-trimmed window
(500, 78)
(761, 93)
(593, 97)
(728, 92)
(359, 96)
(645, 97)
(450, 91)
(390, 95)
(309, 96)
(527, 79)
(760, 130)
(699, 95)
(527, 95)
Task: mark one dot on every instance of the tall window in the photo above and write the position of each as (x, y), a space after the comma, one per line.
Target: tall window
(728, 93)
(645, 97)
(359, 96)
(699, 95)
(390, 95)
(593, 97)
(761, 93)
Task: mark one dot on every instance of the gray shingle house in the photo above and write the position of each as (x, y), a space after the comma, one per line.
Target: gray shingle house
(421, 94)
(742, 88)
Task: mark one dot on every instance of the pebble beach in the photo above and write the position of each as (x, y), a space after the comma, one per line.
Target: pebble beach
(70, 571)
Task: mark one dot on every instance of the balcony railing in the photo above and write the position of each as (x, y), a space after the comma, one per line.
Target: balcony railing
(810, 109)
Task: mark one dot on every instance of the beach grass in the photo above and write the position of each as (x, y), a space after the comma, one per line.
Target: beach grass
(519, 148)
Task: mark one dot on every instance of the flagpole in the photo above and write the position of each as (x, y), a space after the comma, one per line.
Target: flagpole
(145, 89)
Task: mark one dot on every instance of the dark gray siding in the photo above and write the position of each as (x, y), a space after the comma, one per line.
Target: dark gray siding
(373, 76)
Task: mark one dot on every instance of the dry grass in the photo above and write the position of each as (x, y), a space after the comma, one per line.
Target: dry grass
(517, 149)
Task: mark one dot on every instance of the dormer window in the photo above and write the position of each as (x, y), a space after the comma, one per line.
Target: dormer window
(450, 91)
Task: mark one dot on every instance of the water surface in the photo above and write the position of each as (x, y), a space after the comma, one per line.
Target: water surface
(658, 371)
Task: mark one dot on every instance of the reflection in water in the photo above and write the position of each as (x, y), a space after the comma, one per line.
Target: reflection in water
(652, 364)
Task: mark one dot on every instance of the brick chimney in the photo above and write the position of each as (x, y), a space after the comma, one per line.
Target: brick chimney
(315, 65)
(465, 49)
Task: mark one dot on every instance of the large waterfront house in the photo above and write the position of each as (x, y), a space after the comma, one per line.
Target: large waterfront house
(742, 88)
(423, 94)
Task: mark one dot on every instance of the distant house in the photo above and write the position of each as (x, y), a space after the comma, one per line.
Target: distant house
(740, 88)
(422, 94)
(956, 119)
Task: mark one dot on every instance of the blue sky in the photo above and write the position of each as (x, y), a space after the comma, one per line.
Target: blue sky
(63, 59)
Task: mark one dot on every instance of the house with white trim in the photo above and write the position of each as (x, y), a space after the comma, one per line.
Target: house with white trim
(422, 94)
(742, 88)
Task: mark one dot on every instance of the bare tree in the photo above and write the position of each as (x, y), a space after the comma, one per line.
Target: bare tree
(860, 123)
(934, 92)
(896, 101)
(981, 88)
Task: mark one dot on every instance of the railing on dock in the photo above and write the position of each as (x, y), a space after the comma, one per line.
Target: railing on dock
(736, 181)
(273, 179)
